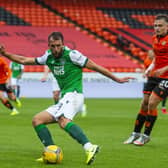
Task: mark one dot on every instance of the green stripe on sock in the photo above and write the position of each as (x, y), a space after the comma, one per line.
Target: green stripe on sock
(39, 127)
(68, 126)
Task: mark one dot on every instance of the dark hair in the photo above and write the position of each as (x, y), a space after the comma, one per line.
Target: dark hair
(162, 16)
(56, 36)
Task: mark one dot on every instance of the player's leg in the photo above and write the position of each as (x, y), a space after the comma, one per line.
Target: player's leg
(14, 85)
(5, 101)
(39, 123)
(14, 88)
(69, 106)
(154, 100)
(12, 97)
(158, 94)
(18, 91)
(77, 133)
(140, 120)
(15, 96)
(163, 106)
(142, 115)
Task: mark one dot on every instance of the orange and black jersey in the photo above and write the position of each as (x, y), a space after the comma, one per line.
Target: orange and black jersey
(5, 71)
(160, 48)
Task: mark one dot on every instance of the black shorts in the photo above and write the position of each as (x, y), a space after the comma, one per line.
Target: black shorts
(157, 85)
(5, 88)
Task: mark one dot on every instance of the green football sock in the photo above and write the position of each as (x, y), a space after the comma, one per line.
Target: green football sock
(44, 134)
(76, 133)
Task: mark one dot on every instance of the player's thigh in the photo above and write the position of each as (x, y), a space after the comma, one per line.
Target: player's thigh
(67, 106)
(2, 90)
(150, 85)
(43, 118)
(154, 100)
(1, 94)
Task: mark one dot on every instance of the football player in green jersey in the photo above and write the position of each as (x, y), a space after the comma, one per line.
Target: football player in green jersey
(56, 90)
(17, 71)
(66, 66)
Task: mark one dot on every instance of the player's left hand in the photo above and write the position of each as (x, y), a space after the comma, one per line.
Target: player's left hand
(126, 79)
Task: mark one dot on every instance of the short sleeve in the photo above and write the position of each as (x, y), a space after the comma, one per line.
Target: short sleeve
(10, 65)
(78, 58)
(22, 66)
(42, 59)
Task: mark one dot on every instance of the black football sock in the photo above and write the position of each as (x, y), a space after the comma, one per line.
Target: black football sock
(149, 123)
(140, 120)
(18, 91)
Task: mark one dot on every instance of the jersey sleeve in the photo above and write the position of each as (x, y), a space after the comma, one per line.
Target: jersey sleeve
(10, 65)
(42, 59)
(8, 70)
(22, 67)
(78, 58)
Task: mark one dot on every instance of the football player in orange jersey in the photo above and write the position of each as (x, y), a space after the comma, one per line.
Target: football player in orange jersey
(148, 60)
(5, 74)
(156, 88)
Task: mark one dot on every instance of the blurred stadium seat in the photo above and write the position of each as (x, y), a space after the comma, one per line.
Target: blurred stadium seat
(100, 20)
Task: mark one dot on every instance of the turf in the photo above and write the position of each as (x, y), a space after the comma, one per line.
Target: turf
(109, 123)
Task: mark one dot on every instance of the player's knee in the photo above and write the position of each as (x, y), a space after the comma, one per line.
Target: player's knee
(62, 121)
(152, 105)
(12, 96)
(36, 121)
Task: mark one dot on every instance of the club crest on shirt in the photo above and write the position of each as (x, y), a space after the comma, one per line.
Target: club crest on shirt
(163, 42)
(52, 62)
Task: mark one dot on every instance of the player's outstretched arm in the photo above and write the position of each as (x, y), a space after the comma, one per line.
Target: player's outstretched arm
(17, 58)
(95, 67)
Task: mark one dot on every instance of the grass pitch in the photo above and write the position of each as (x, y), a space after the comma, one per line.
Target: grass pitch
(108, 123)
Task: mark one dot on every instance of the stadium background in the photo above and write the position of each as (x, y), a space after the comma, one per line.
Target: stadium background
(114, 33)
(94, 27)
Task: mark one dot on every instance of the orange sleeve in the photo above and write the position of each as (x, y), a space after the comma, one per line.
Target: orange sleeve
(5, 72)
(8, 72)
(147, 62)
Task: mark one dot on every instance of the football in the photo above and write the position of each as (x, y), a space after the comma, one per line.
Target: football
(52, 154)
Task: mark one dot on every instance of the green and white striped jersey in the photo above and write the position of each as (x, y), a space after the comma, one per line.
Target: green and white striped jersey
(67, 69)
(16, 69)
